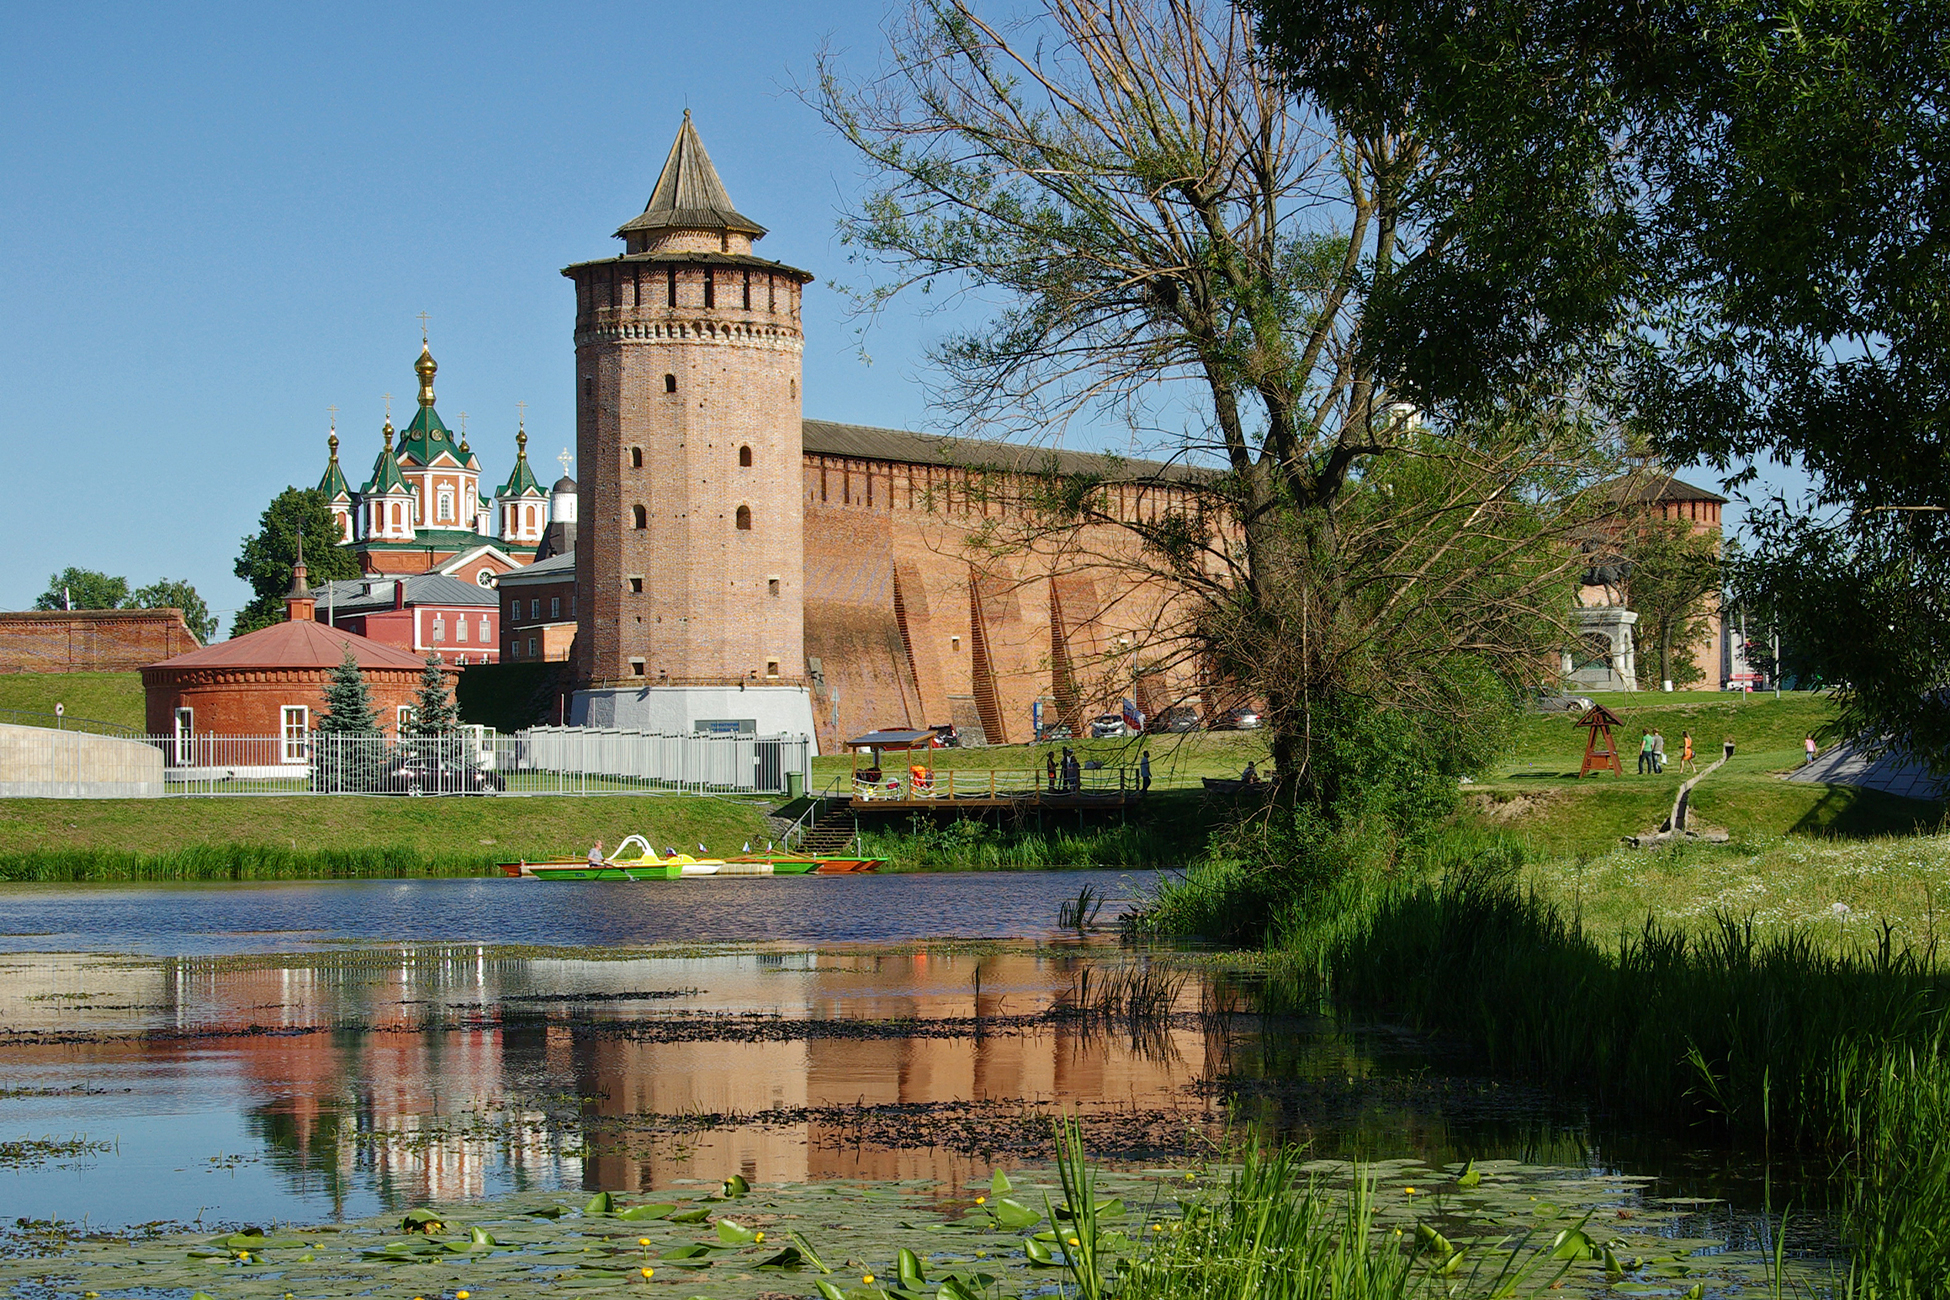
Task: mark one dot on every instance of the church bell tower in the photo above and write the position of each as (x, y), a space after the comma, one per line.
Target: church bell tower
(689, 543)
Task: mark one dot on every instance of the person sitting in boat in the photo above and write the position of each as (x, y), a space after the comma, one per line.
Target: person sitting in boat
(596, 855)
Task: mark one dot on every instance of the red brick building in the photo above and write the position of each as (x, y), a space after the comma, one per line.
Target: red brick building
(271, 682)
(420, 612)
(91, 640)
(538, 611)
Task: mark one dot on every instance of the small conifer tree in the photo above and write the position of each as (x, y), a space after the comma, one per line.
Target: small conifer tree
(348, 703)
(351, 755)
(434, 713)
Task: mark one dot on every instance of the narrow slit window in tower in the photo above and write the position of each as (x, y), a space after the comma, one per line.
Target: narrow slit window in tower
(636, 586)
(639, 517)
(636, 458)
(745, 457)
(670, 383)
(710, 287)
(772, 587)
(670, 285)
(771, 668)
(748, 291)
(744, 519)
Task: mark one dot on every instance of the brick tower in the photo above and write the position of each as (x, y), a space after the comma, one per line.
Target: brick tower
(690, 554)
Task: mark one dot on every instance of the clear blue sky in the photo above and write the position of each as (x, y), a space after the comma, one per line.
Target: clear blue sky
(221, 220)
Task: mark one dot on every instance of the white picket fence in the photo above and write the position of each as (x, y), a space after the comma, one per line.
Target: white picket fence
(542, 760)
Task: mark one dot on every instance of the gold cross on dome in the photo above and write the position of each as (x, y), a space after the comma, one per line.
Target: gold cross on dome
(333, 411)
(389, 404)
(565, 458)
(521, 414)
(423, 328)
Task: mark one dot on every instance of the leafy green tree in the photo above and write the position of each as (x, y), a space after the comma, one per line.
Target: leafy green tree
(1393, 426)
(166, 593)
(74, 588)
(267, 556)
(1674, 577)
(1779, 260)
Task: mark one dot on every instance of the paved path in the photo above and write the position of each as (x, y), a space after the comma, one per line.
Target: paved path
(1892, 773)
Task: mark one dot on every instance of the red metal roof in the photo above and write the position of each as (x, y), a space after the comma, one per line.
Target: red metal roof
(303, 644)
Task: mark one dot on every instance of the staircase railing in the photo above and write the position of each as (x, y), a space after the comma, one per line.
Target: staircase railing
(800, 828)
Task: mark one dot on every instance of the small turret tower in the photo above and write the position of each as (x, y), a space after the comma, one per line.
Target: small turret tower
(338, 493)
(688, 437)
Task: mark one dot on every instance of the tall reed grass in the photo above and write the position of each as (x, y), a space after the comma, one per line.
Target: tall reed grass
(1759, 1037)
(219, 862)
(977, 846)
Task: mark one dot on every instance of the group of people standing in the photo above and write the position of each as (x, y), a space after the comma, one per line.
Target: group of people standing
(1067, 776)
(1652, 752)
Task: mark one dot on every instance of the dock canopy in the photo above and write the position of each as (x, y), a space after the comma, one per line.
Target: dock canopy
(892, 739)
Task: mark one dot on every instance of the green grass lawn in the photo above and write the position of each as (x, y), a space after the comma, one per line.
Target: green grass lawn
(533, 827)
(103, 697)
(1534, 790)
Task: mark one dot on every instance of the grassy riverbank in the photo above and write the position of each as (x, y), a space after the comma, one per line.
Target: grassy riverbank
(1170, 830)
(100, 697)
(1824, 1034)
(273, 838)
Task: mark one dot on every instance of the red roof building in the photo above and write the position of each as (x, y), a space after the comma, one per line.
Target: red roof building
(272, 682)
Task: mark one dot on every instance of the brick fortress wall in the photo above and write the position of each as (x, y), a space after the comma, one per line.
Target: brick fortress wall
(912, 625)
(91, 640)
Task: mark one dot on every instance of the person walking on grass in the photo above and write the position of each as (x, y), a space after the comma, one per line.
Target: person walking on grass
(1049, 766)
(1686, 763)
(1645, 752)
(1658, 752)
(1808, 744)
(1144, 772)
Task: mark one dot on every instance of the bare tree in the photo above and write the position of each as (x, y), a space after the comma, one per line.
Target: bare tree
(1176, 240)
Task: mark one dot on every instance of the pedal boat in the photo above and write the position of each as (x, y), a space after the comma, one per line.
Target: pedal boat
(635, 859)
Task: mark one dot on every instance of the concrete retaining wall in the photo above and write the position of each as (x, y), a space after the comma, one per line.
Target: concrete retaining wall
(41, 763)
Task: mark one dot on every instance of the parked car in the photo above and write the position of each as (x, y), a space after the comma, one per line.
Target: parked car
(1546, 701)
(1179, 718)
(1239, 719)
(1106, 725)
(946, 736)
(1055, 731)
(420, 774)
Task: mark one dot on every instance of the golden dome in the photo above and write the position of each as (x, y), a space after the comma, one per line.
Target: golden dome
(426, 367)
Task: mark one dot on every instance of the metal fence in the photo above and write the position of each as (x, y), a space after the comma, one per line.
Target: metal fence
(479, 761)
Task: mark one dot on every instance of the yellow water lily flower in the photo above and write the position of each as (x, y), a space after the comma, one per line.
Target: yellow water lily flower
(643, 1241)
(867, 1278)
(460, 1295)
(981, 1200)
(1409, 1191)
(648, 1273)
(759, 1237)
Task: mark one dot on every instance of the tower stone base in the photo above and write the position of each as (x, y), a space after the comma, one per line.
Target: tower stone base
(684, 710)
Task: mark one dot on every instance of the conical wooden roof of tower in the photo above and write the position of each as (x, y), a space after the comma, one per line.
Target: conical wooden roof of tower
(689, 195)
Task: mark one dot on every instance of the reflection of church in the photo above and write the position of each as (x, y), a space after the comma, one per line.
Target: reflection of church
(422, 509)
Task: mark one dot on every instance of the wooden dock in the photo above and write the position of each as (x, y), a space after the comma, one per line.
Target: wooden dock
(951, 793)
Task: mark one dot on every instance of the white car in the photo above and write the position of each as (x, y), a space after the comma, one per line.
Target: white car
(1108, 725)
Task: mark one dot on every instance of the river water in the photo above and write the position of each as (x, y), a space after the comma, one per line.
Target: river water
(315, 1052)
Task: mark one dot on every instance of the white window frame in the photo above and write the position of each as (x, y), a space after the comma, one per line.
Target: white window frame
(444, 504)
(487, 631)
(402, 719)
(554, 609)
(460, 629)
(185, 735)
(294, 725)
